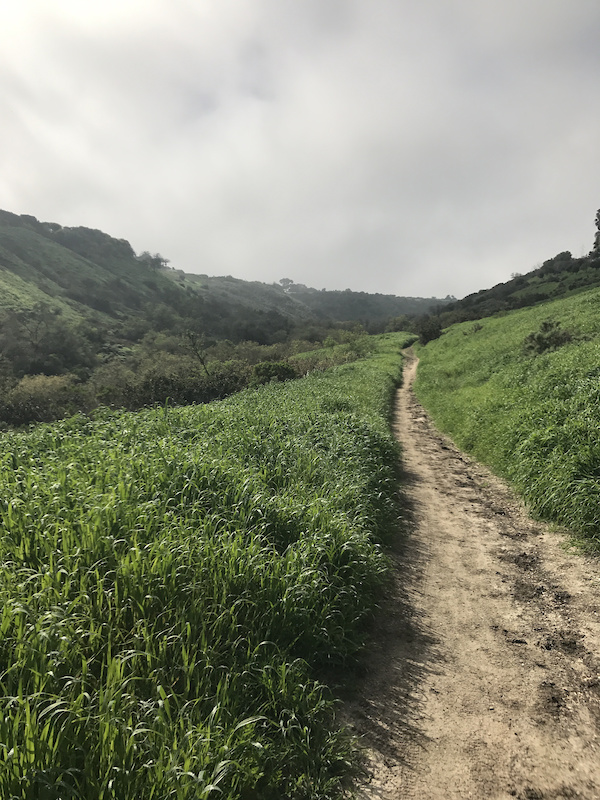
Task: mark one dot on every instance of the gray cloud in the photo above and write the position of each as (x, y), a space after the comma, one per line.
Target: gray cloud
(414, 148)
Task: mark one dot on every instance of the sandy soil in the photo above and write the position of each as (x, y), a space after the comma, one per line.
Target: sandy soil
(483, 679)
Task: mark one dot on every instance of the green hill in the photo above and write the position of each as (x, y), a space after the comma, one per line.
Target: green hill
(521, 391)
(87, 274)
(557, 277)
(369, 309)
(76, 270)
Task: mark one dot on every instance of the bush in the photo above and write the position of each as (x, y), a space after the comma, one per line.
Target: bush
(267, 371)
(181, 383)
(549, 337)
(428, 329)
(45, 398)
(179, 380)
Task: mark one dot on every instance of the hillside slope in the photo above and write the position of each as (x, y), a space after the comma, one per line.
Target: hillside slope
(89, 275)
(78, 269)
(521, 392)
(85, 273)
(557, 277)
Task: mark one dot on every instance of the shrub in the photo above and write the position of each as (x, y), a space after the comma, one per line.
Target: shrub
(267, 371)
(428, 329)
(44, 398)
(176, 379)
(548, 337)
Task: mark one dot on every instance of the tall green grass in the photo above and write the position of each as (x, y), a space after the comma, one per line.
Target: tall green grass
(534, 418)
(172, 582)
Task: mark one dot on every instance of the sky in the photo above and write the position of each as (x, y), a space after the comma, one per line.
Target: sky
(414, 147)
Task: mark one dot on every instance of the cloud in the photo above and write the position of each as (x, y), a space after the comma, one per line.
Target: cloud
(419, 149)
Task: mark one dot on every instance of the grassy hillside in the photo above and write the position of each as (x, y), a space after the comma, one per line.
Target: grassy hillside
(75, 268)
(521, 392)
(87, 270)
(173, 581)
(91, 278)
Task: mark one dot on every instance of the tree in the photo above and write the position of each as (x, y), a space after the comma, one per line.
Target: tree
(428, 328)
(40, 341)
(596, 248)
(195, 343)
(401, 323)
(154, 261)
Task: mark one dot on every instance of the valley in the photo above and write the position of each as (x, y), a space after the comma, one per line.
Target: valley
(236, 560)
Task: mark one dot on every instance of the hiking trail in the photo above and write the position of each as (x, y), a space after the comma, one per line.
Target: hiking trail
(483, 674)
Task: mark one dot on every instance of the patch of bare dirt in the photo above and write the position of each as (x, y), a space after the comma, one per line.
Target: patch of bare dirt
(483, 679)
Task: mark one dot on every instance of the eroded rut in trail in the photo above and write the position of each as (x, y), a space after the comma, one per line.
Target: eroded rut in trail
(483, 679)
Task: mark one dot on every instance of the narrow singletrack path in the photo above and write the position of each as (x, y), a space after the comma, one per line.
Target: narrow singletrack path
(483, 679)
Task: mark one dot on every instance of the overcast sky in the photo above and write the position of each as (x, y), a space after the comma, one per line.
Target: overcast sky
(413, 147)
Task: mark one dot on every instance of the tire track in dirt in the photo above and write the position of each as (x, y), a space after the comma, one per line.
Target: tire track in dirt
(483, 679)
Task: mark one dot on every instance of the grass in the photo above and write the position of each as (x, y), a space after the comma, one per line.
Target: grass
(533, 417)
(173, 581)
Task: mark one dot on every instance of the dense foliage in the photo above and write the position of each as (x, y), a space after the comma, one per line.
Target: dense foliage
(170, 371)
(522, 392)
(173, 580)
(367, 308)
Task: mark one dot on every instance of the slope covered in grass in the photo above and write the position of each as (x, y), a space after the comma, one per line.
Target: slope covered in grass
(172, 581)
(522, 393)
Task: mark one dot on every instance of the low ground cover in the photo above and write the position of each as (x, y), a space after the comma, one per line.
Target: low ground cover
(522, 393)
(173, 580)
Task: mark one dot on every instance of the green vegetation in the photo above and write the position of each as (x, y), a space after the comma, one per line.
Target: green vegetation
(179, 374)
(522, 393)
(84, 321)
(372, 310)
(557, 277)
(173, 582)
(87, 275)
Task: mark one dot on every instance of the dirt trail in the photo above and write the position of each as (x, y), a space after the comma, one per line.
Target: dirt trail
(484, 674)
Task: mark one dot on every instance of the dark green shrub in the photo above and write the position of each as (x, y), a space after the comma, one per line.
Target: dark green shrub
(549, 337)
(428, 329)
(180, 383)
(267, 371)
(178, 380)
